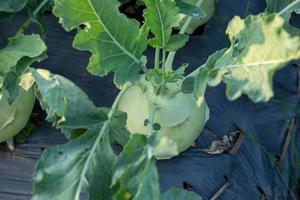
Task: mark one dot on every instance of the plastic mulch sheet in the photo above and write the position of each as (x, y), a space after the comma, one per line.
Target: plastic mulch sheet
(249, 173)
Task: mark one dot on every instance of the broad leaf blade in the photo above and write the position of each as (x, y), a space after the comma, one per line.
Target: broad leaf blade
(161, 16)
(249, 64)
(201, 76)
(283, 7)
(12, 6)
(135, 172)
(67, 105)
(179, 194)
(84, 164)
(115, 41)
(16, 58)
(19, 47)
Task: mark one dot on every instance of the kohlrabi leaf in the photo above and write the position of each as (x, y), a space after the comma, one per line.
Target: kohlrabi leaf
(188, 85)
(176, 42)
(119, 132)
(67, 105)
(283, 7)
(190, 9)
(12, 6)
(15, 78)
(9, 7)
(19, 47)
(135, 171)
(160, 17)
(201, 76)
(16, 58)
(260, 45)
(180, 194)
(82, 165)
(115, 41)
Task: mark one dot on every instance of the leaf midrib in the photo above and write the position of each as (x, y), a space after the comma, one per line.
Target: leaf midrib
(85, 168)
(110, 34)
(161, 24)
(288, 7)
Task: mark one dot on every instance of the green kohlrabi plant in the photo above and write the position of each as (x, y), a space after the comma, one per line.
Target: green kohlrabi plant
(17, 92)
(160, 109)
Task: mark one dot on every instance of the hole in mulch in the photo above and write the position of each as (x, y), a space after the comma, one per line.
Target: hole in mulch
(187, 186)
(262, 193)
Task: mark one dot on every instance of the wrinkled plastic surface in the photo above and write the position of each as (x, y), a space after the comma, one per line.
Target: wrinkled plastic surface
(251, 170)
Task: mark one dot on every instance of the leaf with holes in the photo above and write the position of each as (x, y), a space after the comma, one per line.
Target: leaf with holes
(86, 167)
(115, 41)
(161, 16)
(283, 7)
(250, 63)
(67, 106)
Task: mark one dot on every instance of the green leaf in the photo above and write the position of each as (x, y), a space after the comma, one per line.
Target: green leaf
(135, 172)
(179, 194)
(161, 16)
(250, 63)
(188, 85)
(283, 7)
(12, 6)
(82, 165)
(201, 76)
(19, 47)
(67, 105)
(176, 42)
(115, 41)
(16, 58)
(190, 9)
(119, 131)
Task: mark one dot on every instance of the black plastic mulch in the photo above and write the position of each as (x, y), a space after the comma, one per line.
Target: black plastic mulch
(253, 172)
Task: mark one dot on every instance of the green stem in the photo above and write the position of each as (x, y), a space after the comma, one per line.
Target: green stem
(24, 27)
(288, 7)
(171, 55)
(164, 59)
(35, 12)
(117, 101)
(157, 52)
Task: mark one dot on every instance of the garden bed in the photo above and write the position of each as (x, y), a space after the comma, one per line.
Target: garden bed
(251, 171)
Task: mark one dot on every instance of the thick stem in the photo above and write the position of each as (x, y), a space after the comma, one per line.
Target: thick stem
(117, 101)
(171, 56)
(164, 59)
(291, 5)
(157, 52)
(35, 12)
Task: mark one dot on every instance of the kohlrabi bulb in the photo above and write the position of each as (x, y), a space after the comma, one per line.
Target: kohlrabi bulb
(14, 117)
(179, 119)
